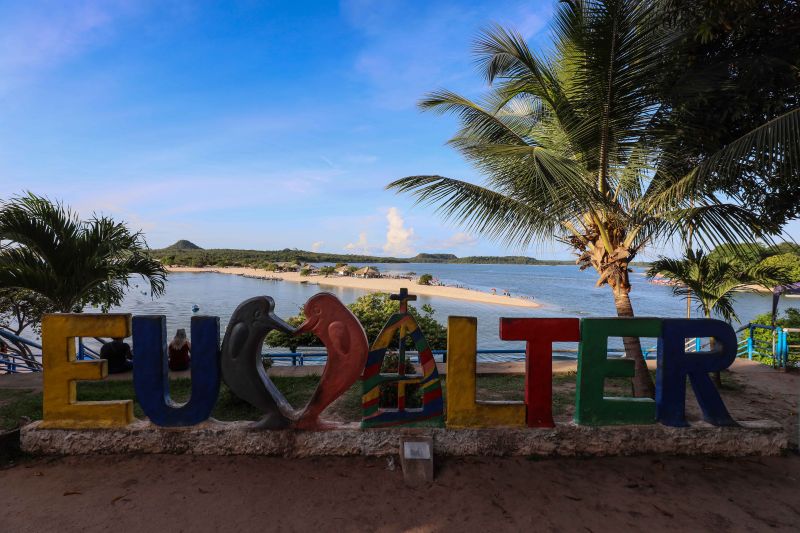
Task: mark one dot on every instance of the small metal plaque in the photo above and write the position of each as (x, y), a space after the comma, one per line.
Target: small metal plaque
(416, 450)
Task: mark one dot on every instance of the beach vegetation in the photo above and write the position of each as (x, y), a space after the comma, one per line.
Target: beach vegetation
(72, 263)
(577, 145)
(790, 318)
(373, 311)
(712, 283)
(425, 279)
(224, 257)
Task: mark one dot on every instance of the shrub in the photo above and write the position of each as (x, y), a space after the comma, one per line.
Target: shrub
(789, 319)
(425, 279)
(373, 311)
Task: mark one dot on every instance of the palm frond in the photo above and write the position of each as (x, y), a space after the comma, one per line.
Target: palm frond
(481, 210)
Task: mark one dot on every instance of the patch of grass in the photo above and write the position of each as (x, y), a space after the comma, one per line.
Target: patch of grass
(18, 403)
(501, 387)
(348, 407)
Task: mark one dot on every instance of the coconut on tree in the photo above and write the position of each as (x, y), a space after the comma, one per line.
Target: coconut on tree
(575, 145)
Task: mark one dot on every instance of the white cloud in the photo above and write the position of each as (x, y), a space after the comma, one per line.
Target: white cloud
(315, 246)
(398, 237)
(460, 239)
(360, 246)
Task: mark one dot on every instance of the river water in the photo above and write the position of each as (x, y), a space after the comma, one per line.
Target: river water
(562, 291)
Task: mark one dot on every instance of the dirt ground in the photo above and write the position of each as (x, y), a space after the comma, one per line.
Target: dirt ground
(194, 493)
(191, 493)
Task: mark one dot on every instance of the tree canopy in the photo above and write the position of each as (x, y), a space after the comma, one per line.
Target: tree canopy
(70, 262)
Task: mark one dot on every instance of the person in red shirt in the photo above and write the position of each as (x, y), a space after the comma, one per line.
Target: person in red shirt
(179, 351)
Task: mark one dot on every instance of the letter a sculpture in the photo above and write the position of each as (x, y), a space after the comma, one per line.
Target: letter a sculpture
(429, 383)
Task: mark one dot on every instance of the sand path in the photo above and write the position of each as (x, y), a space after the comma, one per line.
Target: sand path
(201, 493)
(371, 285)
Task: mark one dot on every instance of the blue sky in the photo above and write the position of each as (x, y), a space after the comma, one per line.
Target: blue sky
(246, 124)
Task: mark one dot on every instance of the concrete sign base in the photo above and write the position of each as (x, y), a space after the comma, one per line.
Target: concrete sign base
(234, 438)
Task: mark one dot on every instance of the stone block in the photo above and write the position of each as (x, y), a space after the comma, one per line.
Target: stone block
(416, 458)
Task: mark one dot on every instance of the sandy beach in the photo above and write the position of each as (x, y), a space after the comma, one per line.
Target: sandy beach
(370, 284)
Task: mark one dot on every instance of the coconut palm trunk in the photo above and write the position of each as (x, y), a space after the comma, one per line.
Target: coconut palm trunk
(642, 383)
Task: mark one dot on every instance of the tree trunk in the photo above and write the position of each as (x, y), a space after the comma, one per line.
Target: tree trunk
(643, 386)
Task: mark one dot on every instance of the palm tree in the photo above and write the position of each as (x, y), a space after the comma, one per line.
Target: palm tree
(573, 148)
(714, 282)
(71, 263)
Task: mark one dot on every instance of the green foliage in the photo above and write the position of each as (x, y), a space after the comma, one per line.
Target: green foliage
(747, 54)
(784, 256)
(327, 271)
(305, 271)
(712, 282)
(277, 338)
(425, 279)
(21, 309)
(71, 263)
(373, 311)
(764, 338)
(267, 258)
(788, 262)
(16, 404)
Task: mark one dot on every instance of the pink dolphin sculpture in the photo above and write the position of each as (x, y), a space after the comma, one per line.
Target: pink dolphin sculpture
(347, 346)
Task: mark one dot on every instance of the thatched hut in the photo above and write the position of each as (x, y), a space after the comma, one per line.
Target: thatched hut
(367, 272)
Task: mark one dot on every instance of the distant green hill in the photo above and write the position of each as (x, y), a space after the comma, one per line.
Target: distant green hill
(433, 258)
(183, 245)
(185, 253)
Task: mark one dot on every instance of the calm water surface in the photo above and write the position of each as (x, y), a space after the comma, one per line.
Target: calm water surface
(562, 291)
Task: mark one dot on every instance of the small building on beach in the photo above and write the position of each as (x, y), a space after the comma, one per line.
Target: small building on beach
(286, 267)
(367, 272)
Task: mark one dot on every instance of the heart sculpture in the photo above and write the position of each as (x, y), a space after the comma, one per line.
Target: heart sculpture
(243, 372)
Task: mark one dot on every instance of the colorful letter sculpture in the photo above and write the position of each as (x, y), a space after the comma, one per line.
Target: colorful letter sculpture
(432, 404)
(539, 334)
(60, 407)
(591, 407)
(242, 368)
(674, 364)
(350, 356)
(462, 409)
(347, 345)
(151, 373)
